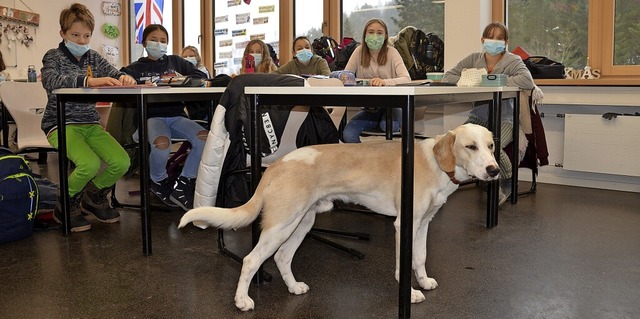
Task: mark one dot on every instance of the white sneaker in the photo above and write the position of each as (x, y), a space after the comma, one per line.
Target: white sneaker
(503, 195)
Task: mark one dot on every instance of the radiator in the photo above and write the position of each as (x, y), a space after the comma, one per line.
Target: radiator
(595, 144)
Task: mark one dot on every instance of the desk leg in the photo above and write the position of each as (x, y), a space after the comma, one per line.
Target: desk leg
(144, 175)
(494, 126)
(406, 209)
(5, 126)
(62, 166)
(256, 172)
(516, 149)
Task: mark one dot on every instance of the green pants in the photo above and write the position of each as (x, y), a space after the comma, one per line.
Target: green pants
(88, 145)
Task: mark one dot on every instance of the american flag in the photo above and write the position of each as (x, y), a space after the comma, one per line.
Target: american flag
(147, 12)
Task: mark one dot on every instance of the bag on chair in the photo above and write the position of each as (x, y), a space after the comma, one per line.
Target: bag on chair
(544, 68)
(18, 197)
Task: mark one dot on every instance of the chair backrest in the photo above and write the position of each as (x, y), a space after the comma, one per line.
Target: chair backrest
(288, 140)
(336, 112)
(26, 103)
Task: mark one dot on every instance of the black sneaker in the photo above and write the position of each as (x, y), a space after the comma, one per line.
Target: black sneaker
(183, 192)
(95, 202)
(78, 222)
(162, 190)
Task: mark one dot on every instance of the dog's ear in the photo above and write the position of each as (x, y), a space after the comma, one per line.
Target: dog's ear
(443, 150)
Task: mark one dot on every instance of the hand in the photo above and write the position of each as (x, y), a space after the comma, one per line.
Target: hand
(377, 82)
(127, 80)
(105, 81)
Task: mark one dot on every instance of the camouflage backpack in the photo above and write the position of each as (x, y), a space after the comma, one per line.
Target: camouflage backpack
(427, 51)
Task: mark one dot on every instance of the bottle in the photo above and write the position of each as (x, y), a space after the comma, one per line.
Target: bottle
(249, 64)
(429, 51)
(32, 76)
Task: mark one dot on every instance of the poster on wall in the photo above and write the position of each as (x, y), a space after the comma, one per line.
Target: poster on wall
(236, 23)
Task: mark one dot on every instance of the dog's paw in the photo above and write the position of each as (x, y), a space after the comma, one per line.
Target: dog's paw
(298, 288)
(427, 283)
(244, 303)
(416, 296)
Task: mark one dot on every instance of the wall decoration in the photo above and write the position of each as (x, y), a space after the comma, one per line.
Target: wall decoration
(111, 31)
(243, 18)
(15, 32)
(233, 3)
(261, 20)
(111, 8)
(221, 19)
(111, 54)
(237, 33)
(266, 9)
(257, 36)
(221, 31)
(20, 16)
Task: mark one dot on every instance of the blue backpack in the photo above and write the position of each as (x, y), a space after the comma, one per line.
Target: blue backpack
(18, 197)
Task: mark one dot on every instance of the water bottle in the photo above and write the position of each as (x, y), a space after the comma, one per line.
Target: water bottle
(429, 51)
(32, 76)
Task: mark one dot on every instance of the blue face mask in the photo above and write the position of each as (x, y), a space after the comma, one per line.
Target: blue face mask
(192, 59)
(494, 47)
(374, 41)
(257, 58)
(77, 49)
(304, 55)
(156, 50)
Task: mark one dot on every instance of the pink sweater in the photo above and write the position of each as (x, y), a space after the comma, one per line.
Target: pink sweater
(393, 72)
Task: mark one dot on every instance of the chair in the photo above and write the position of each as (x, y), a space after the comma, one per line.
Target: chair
(25, 102)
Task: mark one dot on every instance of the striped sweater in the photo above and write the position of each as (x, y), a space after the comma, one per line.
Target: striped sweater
(60, 69)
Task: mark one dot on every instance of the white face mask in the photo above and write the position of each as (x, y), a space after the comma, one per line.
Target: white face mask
(192, 59)
(156, 49)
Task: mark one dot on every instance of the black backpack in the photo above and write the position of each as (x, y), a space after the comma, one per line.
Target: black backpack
(327, 48)
(18, 197)
(347, 47)
(427, 51)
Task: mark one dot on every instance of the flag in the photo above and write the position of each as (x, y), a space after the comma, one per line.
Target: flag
(147, 12)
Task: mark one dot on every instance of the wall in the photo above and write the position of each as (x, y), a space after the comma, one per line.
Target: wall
(47, 34)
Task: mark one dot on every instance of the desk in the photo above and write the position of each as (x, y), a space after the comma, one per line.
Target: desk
(141, 97)
(406, 98)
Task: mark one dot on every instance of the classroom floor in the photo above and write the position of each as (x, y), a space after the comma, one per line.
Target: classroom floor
(564, 252)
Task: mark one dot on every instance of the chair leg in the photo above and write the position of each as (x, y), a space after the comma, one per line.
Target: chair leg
(222, 247)
(335, 245)
(534, 184)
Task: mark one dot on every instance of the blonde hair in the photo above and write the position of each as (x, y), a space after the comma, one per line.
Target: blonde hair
(365, 53)
(195, 50)
(267, 65)
(76, 13)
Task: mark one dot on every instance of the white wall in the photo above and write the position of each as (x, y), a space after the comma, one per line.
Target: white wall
(464, 21)
(47, 35)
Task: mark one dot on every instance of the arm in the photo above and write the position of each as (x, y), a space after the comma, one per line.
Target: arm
(354, 60)
(323, 67)
(104, 73)
(56, 74)
(519, 75)
(398, 68)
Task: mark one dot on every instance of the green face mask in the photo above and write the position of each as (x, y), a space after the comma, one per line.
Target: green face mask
(374, 41)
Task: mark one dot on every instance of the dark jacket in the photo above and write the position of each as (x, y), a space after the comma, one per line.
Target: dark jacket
(146, 69)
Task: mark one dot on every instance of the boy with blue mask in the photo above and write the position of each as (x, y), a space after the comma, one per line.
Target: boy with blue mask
(496, 60)
(305, 61)
(71, 65)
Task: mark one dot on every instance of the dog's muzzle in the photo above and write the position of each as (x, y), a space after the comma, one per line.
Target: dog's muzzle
(493, 171)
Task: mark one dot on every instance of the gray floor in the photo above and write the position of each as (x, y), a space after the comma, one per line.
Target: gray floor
(564, 252)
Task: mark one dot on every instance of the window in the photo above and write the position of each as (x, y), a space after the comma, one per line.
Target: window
(427, 15)
(309, 18)
(191, 22)
(143, 13)
(573, 32)
(238, 22)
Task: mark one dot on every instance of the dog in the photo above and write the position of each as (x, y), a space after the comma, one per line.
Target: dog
(307, 181)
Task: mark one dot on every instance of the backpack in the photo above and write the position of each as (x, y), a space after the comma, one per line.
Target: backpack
(327, 48)
(273, 55)
(18, 197)
(427, 51)
(347, 47)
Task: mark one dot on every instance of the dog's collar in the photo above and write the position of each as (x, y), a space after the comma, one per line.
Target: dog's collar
(452, 177)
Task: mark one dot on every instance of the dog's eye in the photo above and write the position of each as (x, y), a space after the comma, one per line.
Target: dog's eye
(472, 147)
(491, 146)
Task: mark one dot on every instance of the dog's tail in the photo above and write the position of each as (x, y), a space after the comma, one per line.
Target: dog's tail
(226, 218)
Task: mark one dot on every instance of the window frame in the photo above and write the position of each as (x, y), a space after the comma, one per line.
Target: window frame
(599, 49)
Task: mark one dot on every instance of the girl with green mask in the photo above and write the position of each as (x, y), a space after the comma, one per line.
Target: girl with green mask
(383, 66)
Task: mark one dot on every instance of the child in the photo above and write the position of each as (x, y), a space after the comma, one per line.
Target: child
(380, 62)
(496, 60)
(73, 64)
(260, 53)
(305, 62)
(190, 53)
(167, 120)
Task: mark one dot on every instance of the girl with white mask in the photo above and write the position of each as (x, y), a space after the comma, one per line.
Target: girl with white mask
(305, 61)
(259, 53)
